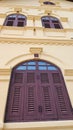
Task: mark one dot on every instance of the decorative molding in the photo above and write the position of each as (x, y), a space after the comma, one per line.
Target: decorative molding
(30, 17)
(71, 9)
(5, 71)
(37, 41)
(5, 75)
(38, 7)
(32, 27)
(18, 9)
(12, 27)
(68, 72)
(64, 19)
(36, 50)
(48, 12)
(2, 15)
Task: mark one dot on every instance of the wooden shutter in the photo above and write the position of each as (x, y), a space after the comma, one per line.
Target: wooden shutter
(44, 78)
(47, 97)
(30, 77)
(63, 104)
(30, 100)
(14, 102)
(37, 94)
(18, 77)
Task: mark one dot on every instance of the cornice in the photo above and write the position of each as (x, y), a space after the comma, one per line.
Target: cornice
(37, 41)
(41, 7)
(35, 27)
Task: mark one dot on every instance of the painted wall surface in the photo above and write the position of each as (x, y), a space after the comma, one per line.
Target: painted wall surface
(19, 44)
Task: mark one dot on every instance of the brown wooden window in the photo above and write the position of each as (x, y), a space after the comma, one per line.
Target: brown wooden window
(37, 92)
(51, 22)
(18, 20)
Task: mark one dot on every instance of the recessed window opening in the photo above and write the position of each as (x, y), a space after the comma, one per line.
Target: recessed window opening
(48, 3)
(37, 92)
(15, 20)
(51, 22)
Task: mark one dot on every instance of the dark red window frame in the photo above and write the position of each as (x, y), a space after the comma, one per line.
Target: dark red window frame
(51, 22)
(18, 20)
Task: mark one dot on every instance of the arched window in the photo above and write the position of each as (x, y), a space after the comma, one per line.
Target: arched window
(15, 20)
(37, 92)
(48, 3)
(51, 22)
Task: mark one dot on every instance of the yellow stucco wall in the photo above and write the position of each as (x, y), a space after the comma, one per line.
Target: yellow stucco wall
(20, 44)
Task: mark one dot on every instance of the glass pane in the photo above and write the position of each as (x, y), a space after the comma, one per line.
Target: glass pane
(21, 17)
(57, 26)
(47, 25)
(42, 63)
(20, 24)
(21, 68)
(53, 19)
(9, 23)
(11, 17)
(31, 67)
(31, 63)
(42, 68)
(52, 68)
(24, 63)
(46, 18)
(14, 15)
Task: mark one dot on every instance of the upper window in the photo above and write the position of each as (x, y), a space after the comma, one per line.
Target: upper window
(51, 22)
(15, 20)
(48, 3)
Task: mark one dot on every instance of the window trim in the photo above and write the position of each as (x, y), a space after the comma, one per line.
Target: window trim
(51, 23)
(16, 20)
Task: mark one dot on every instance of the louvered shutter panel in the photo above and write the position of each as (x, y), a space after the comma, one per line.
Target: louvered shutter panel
(63, 105)
(14, 102)
(44, 77)
(18, 77)
(30, 77)
(30, 109)
(47, 98)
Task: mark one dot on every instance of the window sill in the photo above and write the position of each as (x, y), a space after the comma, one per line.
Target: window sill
(35, 28)
(45, 125)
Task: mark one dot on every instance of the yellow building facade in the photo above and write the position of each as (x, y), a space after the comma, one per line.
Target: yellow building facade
(35, 42)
